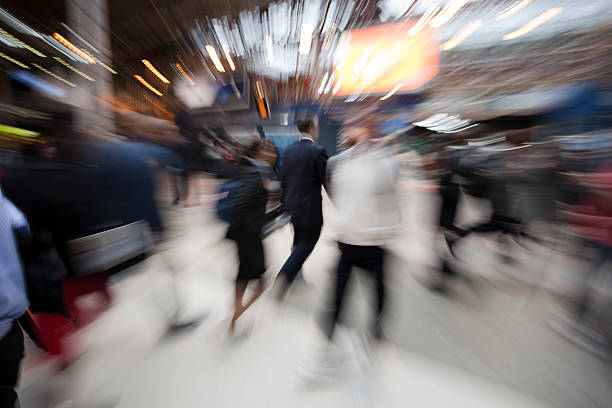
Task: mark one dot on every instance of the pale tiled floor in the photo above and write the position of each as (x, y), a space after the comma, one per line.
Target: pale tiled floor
(485, 347)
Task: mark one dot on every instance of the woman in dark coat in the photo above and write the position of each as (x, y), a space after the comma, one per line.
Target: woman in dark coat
(246, 231)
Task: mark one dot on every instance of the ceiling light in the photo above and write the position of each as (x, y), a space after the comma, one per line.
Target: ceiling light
(145, 83)
(14, 61)
(182, 71)
(533, 24)
(155, 71)
(455, 124)
(461, 35)
(67, 65)
(259, 88)
(330, 82)
(9, 42)
(447, 13)
(9, 19)
(228, 57)
(74, 49)
(391, 92)
(21, 43)
(106, 66)
(50, 40)
(329, 38)
(462, 129)
(513, 9)
(323, 83)
(54, 75)
(305, 39)
(431, 120)
(270, 48)
(80, 38)
(425, 18)
(215, 58)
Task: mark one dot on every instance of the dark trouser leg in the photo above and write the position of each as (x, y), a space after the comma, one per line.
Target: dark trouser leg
(11, 353)
(489, 226)
(371, 258)
(174, 182)
(185, 184)
(583, 304)
(379, 276)
(343, 274)
(304, 242)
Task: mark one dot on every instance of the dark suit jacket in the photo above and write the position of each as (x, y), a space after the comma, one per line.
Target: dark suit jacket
(302, 176)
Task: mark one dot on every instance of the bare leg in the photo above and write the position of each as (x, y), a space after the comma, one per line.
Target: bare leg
(240, 288)
(258, 292)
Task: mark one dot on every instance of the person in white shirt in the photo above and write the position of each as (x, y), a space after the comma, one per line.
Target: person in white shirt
(363, 190)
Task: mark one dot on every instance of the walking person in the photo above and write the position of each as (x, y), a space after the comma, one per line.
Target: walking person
(13, 300)
(449, 191)
(302, 175)
(591, 217)
(363, 189)
(246, 201)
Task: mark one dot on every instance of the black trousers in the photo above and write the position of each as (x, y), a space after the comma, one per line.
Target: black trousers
(497, 223)
(369, 258)
(304, 241)
(11, 353)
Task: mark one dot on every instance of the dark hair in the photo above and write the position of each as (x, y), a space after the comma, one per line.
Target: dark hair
(305, 125)
(252, 147)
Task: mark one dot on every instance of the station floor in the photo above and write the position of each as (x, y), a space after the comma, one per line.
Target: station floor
(488, 344)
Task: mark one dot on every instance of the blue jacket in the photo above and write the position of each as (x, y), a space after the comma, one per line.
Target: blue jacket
(13, 299)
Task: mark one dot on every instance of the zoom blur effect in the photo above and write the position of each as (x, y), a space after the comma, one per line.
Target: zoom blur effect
(340, 203)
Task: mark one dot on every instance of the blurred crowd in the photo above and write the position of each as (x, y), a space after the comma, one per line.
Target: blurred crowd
(77, 209)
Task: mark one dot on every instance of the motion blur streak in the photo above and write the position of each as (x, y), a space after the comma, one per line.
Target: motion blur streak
(461, 35)
(533, 24)
(74, 49)
(424, 19)
(45, 70)
(148, 85)
(14, 61)
(182, 71)
(21, 43)
(70, 67)
(305, 203)
(447, 13)
(212, 53)
(228, 57)
(513, 9)
(155, 71)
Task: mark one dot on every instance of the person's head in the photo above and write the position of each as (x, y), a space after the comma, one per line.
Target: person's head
(358, 133)
(269, 152)
(252, 149)
(310, 127)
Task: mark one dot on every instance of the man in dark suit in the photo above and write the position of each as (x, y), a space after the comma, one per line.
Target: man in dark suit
(302, 176)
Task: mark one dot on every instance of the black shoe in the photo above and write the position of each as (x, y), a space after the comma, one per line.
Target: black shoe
(440, 287)
(450, 240)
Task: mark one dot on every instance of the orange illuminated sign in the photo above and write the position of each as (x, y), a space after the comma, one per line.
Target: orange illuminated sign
(383, 58)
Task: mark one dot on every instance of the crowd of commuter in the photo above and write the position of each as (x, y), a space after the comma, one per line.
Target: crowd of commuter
(70, 187)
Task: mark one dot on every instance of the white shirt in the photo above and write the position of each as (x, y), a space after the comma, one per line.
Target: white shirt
(306, 136)
(365, 196)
